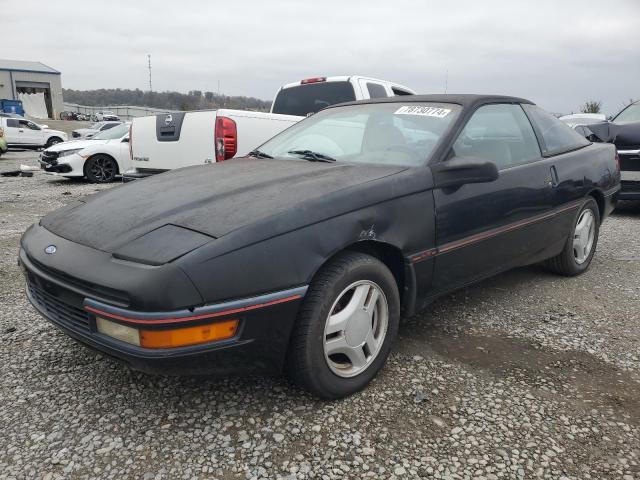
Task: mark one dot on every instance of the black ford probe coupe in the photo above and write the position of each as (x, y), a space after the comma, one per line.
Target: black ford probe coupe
(303, 257)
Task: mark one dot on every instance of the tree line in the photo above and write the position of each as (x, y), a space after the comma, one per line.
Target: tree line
(595, 106)
(193, 100)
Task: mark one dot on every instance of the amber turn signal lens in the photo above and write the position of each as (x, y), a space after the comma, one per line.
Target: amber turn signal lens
(182, 337)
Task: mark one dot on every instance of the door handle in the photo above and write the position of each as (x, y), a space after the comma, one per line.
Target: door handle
(553, 180)
(20, 130)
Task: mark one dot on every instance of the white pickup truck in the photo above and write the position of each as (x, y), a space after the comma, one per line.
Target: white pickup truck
(173, 140)
(21, 132)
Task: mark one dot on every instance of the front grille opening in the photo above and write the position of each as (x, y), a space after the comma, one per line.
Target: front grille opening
(110, 295)
(58, 310)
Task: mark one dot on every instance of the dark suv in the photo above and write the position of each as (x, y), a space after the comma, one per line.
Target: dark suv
(627, 142)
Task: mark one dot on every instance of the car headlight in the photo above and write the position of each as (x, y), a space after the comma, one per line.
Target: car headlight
(171, 338)
(65, 153)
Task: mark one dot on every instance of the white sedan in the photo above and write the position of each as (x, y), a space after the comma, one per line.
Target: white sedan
(100, 159)
(577, 119)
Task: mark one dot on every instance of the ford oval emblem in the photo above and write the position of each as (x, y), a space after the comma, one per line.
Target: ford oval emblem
(50, 249)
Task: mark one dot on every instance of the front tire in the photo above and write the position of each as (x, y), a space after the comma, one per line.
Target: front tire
(101, 169)
(578, 252)
(345, 328)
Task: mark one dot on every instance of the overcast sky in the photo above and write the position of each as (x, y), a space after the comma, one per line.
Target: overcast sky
(557, 53)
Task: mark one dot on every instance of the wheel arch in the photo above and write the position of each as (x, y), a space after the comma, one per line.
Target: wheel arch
(391, 256)
(54, 137)
(84, 167)
(598, 196)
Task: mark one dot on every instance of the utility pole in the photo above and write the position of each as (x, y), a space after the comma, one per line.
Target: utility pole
(149, 63)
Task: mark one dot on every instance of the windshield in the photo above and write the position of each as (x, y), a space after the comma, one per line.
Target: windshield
(118, 131)
(309, 98)
(631, 114)
(382, 133)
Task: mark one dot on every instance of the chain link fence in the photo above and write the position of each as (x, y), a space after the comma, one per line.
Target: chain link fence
(125, 112)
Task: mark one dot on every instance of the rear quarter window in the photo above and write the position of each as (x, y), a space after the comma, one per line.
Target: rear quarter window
(398, 92)
(302, 100)
(557, 137)
(376, 90)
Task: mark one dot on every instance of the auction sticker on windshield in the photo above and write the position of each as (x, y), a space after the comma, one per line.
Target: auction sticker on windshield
(423, 111)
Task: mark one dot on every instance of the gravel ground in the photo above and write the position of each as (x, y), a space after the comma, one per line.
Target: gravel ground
(526, 375)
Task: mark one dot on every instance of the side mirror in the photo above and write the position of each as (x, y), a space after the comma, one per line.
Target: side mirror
(125, 140)
(458, 171)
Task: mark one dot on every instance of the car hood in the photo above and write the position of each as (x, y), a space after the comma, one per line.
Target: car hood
(85, 130)
(625, 135)
(74, 144)
(54, 132)
(213, 200)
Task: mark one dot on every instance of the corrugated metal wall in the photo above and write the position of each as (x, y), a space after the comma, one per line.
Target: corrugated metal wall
(9, 79)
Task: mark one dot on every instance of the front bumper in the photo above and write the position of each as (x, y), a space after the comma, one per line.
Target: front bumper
(68, 166)
(259, 345)
(629, 174)
(630, 190)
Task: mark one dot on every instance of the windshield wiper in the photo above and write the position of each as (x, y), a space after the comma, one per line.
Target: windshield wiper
(259, 154)
(313, 156)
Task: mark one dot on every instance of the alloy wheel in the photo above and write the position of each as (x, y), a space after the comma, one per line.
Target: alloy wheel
(583, 236)
(356, 328)
(102, 169)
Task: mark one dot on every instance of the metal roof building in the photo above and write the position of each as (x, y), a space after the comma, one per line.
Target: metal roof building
(19, 78)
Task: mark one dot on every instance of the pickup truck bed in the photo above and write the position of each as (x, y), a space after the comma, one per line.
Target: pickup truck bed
(168, 141)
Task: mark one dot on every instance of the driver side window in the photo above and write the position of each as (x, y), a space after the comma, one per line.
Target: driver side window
(29, 125)
(500, 133)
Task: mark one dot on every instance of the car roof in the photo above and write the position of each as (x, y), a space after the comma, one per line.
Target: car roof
(582, 115)
(464, 100)
(347, 78)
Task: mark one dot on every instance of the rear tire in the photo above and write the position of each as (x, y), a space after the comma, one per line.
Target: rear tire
(101, 169)
(581, 244)
(352, 306)
(53, 141)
